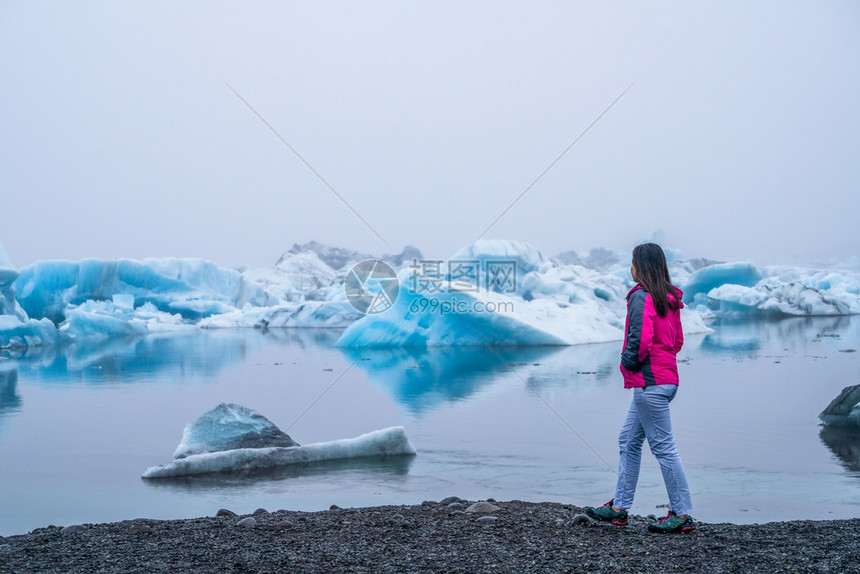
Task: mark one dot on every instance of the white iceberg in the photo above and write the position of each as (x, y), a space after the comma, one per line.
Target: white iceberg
(295, 276)
(336, 313)
(308, 279)
(235, 438)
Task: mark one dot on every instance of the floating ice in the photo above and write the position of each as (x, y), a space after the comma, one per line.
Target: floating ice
(16, 328)
(234, 438)
(98, 320)
(193, 288)
(308, 279)
(741, 289)
(701, 282)
(8, 274)
(526, 257)
(30, 333)
(295, 275)
(228, 427)
(560, 300)
(547, 304)
(334, 313)
(450, 319)
(844, 410)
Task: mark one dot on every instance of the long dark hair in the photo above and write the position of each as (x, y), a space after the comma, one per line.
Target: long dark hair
(652, 272)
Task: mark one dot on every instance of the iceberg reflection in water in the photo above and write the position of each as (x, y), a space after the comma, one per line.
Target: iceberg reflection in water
(841, 430)
(749, 336)
(844, 443)
(175, 356)
(9, 399)
(263, 477)
(422, 380)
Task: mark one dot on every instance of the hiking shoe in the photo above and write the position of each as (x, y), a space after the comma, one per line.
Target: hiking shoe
(672, 523)
(606, 514)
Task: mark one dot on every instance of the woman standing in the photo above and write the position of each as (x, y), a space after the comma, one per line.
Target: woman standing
(652, 338)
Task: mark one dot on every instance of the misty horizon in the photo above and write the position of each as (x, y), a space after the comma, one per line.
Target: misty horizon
(569, 126)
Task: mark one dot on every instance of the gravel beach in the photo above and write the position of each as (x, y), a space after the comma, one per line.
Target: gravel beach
(450, 535)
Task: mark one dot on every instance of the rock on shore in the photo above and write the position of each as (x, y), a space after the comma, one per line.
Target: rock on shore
(430, 537)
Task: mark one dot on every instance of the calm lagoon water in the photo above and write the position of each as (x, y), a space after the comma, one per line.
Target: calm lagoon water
(79, 425)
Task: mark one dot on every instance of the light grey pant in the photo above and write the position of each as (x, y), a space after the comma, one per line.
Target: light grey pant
(649, 418)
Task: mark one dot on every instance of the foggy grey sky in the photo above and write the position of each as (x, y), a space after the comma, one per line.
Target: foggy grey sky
(119, 138)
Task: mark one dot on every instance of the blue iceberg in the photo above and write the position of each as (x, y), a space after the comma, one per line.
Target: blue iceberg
(422, 379)
(17, 330)
(700, 283)
(233, 438)
(192, 288)
(8, 303)
(540, 302)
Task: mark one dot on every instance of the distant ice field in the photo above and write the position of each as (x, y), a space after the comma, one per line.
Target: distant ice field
(497, 292)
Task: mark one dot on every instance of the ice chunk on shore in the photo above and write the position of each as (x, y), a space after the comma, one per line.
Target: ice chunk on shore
(234, 438)
(844, 410)
(228, 427)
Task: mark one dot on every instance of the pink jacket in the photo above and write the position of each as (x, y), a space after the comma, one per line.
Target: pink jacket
(650, 341)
